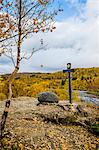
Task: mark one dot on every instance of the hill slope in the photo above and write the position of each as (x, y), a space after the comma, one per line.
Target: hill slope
(30, 84)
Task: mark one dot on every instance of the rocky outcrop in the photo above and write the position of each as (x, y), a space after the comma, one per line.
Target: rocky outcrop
(61, 126)
(48, 97)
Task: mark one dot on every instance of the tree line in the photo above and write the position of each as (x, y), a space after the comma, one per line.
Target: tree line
(33, 83)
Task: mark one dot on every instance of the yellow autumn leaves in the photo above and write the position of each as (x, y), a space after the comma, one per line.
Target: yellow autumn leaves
(43, 2)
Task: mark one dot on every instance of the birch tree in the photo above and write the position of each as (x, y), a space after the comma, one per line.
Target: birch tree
(21, 19)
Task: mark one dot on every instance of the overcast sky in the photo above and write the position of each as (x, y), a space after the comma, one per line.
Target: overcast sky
(75, 40)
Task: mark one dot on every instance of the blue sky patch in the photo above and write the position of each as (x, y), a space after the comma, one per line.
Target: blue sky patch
(71, 9)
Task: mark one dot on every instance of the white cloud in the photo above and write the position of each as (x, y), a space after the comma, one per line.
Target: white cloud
(92, 8)
(74, 41)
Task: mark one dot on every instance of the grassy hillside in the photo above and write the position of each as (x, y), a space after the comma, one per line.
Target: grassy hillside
(30, 84)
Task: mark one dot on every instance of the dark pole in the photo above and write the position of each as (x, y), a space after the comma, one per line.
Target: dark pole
(69, 70)
(70, 87)
(69, 81)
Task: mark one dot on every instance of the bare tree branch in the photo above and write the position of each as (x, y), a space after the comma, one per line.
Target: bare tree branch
(33, 51)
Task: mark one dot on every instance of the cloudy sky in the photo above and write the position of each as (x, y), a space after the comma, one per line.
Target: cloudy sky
(75, 40)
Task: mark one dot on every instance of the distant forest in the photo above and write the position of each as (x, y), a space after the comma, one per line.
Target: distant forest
(30, 84)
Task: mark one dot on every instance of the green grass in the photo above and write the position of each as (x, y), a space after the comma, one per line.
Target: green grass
(95, 129)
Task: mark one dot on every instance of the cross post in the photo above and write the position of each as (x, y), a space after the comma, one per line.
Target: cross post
(69, 70)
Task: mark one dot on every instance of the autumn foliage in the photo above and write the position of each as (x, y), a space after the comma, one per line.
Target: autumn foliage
(31, 84)
(5, 26)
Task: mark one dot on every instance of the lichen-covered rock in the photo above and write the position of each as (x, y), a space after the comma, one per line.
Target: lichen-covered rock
(48, 97)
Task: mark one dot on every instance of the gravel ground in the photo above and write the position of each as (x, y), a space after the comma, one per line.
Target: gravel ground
(42, 127)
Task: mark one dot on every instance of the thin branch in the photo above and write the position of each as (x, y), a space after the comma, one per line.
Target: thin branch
(34, 51)
(9, 38)
(10, 58)
(29, 10)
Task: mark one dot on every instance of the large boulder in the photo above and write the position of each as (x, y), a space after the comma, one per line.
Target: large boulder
(48, 97)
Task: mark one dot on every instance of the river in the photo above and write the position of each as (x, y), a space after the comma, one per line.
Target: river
(89, 97)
